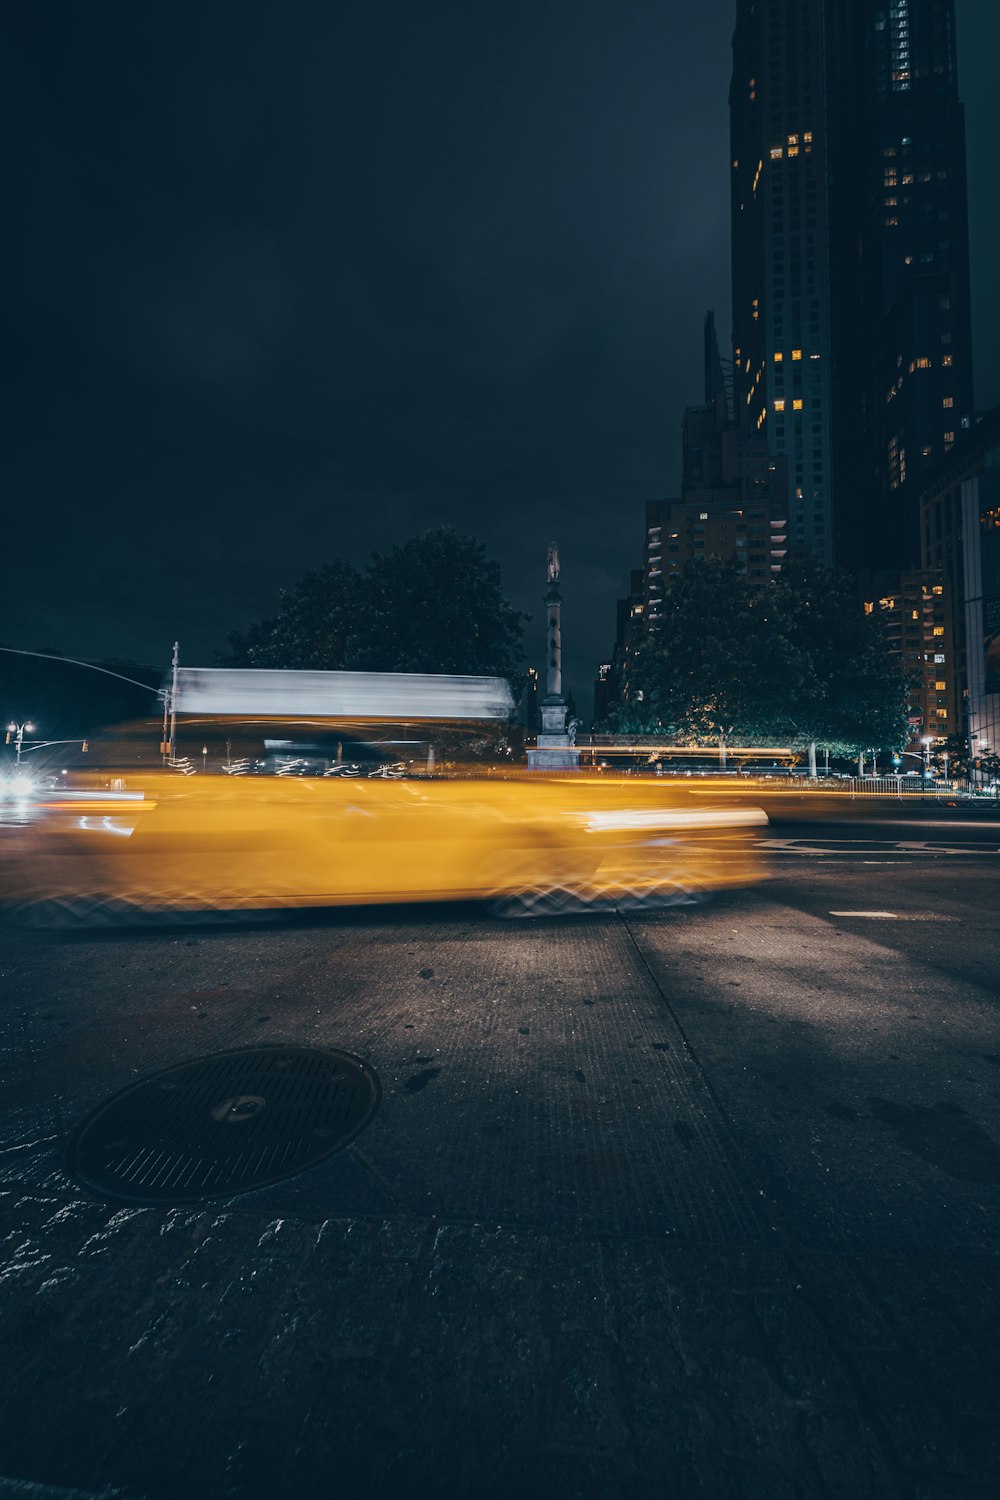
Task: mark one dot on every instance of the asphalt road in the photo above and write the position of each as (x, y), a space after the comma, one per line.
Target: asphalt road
(700, 1202)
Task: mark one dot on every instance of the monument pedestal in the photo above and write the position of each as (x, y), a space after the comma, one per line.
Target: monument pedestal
(555, 750)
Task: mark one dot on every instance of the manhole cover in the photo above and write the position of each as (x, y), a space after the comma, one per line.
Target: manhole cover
(223, 1124)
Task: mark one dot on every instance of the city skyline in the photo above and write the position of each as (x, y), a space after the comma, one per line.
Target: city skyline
(233, 381)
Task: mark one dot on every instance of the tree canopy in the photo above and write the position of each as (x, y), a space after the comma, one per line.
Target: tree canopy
(798, 663)
(433, 604)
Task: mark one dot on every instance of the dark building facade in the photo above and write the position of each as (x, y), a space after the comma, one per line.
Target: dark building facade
(960, 539)
(916, 321)
(851, 323)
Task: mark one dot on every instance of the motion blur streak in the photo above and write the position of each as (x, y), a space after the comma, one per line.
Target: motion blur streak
(407, 697)
(225, 844)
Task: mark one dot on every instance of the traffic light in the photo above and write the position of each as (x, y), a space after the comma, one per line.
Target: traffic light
(897, 760)
(83, 747)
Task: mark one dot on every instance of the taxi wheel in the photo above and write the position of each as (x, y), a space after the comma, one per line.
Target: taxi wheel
(69, 912)
(545, 901)
(658, 897)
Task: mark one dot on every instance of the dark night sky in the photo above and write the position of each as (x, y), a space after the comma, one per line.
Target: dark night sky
(286, 283)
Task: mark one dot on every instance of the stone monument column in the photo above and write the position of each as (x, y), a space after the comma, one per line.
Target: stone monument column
(553, 608)
(555, 750)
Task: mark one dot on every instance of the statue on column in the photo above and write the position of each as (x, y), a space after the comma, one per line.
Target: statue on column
(555, 748)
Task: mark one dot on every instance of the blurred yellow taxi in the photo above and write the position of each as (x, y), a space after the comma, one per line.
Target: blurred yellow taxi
(161, 843)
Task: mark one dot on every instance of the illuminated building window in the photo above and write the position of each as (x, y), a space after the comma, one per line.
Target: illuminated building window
(796, 353)
(779, 405)
(808, 135)
(938, 588)
(793, 140)
(949, 438)
(776, 153)
(793, 150)
(778, 357)
(703, 515)
(947, 360)
(925, 452)
(939, 630)
(869, 606)
(940, 686)
(797, 404)
(948, 402)
(915, 614)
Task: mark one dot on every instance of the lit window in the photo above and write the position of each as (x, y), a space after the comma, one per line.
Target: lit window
(779, 405)
(947, 360)
(793, 150)
(915, 614)
(938, 588)
(797, 404)
(948, 402)
(808, 135)
(796, 353)
(793, 140)
(939, 630)
(776, 153)
(940, 686)
(778, 357)
(949, 438)
(703, 515)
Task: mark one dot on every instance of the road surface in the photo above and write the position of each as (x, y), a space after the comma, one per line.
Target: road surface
(700, 1202)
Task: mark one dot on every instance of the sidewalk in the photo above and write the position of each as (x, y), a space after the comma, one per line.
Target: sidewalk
(549, 1267)
(215, 1354)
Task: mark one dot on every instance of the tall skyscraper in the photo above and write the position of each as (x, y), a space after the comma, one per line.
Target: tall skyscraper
(851, 326)
(915, 324)
(781, 102)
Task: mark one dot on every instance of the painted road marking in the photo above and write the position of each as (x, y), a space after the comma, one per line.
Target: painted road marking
(896, 916)
(888, 915)
(803, 848)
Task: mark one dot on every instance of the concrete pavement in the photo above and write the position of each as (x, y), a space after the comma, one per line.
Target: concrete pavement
(702, 1203)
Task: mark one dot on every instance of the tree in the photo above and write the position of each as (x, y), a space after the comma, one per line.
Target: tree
(842, 687)
(712, 666)
(317, 627)
(797, 663)
(434, 604)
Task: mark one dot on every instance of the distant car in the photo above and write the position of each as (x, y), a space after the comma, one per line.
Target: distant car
(178, 845)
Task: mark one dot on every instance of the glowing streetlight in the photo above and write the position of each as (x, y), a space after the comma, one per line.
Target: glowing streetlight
(19, 730)
(927, 741)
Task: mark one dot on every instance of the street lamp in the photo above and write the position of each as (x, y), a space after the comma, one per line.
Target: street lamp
(927, 741)
(19, 730)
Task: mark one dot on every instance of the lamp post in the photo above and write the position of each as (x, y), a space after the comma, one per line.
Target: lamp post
(927, 740)
(19, 730)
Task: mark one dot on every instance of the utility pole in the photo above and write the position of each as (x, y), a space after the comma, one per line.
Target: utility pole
(173, 703)
(18, 730)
